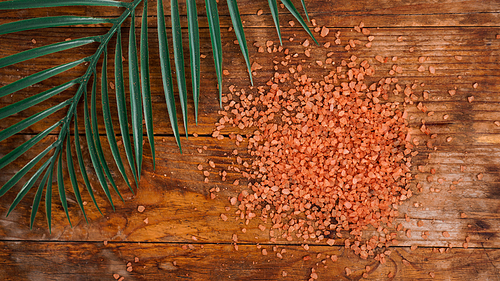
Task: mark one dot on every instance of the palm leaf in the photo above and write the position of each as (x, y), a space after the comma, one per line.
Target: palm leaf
(48, 191)
(60, 184)
(81, 165)
(166, 74)
(194, 52)
(54, 150)
(72, 176)
(45, 50)
(29, 4)
(139, 85)
(96, 137)
(38, 23)
(121, 105)
(273, 6)
(179, 60)
(240, 35)
(27, 186)
(291, 8)
(305, 9)
(38, 195)
(145, 87)
(135, 96)
(38, 77)
(214, 26)
(110, 133)
(92, 151)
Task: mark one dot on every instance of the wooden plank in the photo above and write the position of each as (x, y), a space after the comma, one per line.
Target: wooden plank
(384, 13)
(168, 261)
(477, 46)
(178, 204)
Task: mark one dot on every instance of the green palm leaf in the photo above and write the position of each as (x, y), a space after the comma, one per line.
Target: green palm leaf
(166, 74)
(135, 96)
(96, 137)
(179, 60)
(91, 128)
(16, 128)
(81, 165)
(240, 35)
(92, 151)
(140, 93)
(27, 186)
(121, 105)
(60, 184)
(145, 87)
(45, 50)
(72, 176)
(305, 9)
(291, 8)
(214, 26)
(29, 4)
(38, 77)
(194, 52)
(107, 121)
(273, 6)
(48, 192)
(38, 195)
(33, 100)
(38, 23)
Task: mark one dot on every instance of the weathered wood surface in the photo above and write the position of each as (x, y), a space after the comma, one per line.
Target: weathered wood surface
(177, 201)
(479, 48)
(170, 261)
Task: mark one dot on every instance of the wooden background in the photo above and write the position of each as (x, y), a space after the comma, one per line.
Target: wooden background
(180, 235)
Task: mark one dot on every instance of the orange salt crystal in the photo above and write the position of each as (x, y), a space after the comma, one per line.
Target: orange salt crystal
(324, 31)
(432, 69)
(480, 176)
(470, 99)
(348, 271)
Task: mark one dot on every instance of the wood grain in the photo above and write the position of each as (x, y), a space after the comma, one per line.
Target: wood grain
(194, 261)
(182, 224)
(478, 47)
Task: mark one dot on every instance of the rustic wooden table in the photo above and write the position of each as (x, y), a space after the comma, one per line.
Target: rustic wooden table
(180, 234)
